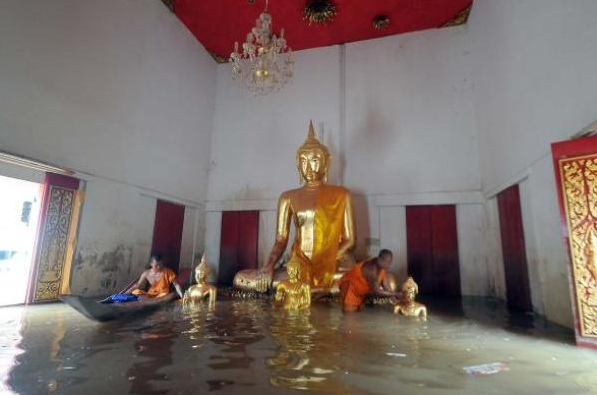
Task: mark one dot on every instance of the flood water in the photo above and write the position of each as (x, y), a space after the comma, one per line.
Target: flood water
(249, 347)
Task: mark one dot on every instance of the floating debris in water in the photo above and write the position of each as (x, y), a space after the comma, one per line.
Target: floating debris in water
(485, 369)
(396, 354)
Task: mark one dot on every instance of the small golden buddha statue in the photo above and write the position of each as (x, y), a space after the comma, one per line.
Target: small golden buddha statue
(408, 307)
(323, 217)
(202, 289)
(294, 294)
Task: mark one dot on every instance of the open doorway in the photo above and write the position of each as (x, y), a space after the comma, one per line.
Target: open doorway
(19, 215)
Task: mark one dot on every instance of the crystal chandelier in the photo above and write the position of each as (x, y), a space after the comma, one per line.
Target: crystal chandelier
(265, 64)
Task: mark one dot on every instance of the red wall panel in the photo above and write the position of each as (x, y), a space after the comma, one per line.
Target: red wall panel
(513, 250)
(238, 243)
(167, 232)
(432, 244)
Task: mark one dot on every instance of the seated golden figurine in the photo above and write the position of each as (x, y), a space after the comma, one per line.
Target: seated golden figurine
(408, 307)
(323, 218)
(294, 294)
(202, 289)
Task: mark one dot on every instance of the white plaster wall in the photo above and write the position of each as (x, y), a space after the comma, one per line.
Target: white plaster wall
(267, 235)
(118, 89)
(534, 85)
(256, 137)
(473, 249)
(410, 114)
(115, 235)
(397, 114)
(535, 79)
(496, 273)
(213, 230)
(123, 94)
(393, 237)
(193, 237)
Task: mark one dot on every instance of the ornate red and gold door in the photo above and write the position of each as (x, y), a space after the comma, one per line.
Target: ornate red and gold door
(55, 245)
(576, 178)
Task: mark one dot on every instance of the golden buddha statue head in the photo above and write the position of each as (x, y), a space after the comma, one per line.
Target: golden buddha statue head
(313, 159)
(410, 289)
(202, 271)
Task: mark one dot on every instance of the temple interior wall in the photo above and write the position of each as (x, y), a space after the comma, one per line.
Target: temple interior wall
(397, 114)
(121, 93)
(534, 84)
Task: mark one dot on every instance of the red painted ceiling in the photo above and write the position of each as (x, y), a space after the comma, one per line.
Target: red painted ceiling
(217, 24)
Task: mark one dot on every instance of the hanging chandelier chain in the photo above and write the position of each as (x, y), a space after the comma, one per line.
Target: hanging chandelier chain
(264, 61)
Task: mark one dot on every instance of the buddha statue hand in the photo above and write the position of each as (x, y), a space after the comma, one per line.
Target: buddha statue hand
(264, 280)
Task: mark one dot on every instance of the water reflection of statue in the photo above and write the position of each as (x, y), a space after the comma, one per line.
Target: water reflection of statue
(323, 218)
(294, 294)
(292, 365)
(408, 307)
(202, 289)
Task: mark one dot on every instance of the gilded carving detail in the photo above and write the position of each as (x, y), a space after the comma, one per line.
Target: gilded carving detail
(579, 184)
(54, 243)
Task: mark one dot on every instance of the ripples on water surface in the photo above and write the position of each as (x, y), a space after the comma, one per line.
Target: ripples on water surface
(248, 347)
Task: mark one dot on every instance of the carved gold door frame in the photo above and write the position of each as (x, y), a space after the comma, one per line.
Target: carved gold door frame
(56, 241)
(576, 168)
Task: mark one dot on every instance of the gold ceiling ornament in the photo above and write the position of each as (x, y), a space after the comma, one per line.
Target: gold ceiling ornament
(381, 22)
(319, 12)
(264, 63)
(460, 19)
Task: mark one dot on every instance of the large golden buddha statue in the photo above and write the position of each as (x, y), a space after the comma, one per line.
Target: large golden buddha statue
(323, 217)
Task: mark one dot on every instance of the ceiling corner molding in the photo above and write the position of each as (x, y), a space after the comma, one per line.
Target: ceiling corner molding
(460, 19)
(169, 4)
(219, 59)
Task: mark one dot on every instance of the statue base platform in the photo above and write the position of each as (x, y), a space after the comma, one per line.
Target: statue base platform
(232, 293)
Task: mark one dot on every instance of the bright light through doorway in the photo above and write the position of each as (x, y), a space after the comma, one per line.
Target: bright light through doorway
(19, 214)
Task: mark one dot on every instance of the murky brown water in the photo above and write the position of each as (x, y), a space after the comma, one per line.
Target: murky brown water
(248, 347)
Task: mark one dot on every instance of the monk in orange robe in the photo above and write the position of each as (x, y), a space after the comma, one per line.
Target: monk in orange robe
(160, 279)
(365, 278)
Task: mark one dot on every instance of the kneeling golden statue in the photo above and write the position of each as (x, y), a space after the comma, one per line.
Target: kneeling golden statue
(202, 289)
(408, 307)
(323, 218)
(294, 294)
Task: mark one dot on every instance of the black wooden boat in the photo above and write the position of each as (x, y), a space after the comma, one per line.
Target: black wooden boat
(97, 311)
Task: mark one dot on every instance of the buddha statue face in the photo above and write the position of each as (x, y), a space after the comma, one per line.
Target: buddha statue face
(313, 159)
(409, 295)
(201, 272)
(410, 290)
(312, 165)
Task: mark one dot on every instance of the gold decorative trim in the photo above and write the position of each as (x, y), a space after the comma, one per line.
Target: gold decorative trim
(71, 243)
(54, 243)
(579, 188)
(460, 19)
(219, 59)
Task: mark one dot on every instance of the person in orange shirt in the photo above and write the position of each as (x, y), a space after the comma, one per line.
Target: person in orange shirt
(160, 280)
(365, 278)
